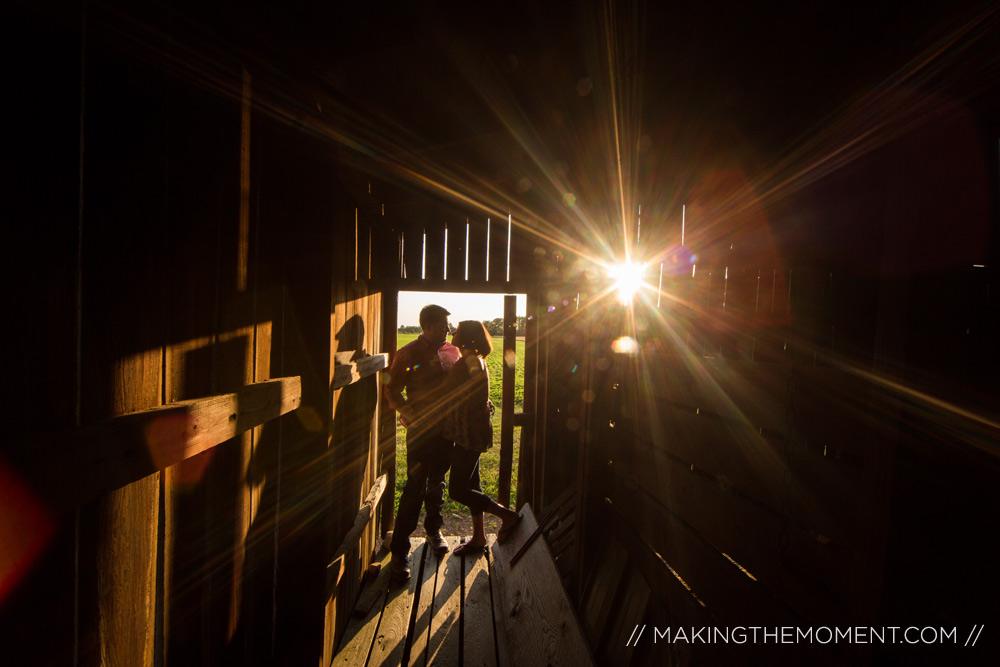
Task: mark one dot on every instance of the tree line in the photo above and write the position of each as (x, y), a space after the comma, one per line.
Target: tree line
(494, 327)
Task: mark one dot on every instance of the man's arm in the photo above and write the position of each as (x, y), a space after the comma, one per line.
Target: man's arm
(399, 371)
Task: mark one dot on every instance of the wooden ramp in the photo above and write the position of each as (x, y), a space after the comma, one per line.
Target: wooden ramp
(461, 611)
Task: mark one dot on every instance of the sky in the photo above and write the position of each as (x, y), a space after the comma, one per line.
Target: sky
(462, 306)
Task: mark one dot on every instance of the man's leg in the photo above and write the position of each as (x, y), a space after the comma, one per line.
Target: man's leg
(438, 461)
(408, 513)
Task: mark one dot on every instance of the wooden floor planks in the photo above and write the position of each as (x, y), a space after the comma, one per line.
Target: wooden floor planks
(452, 612)
(538, 617)
(443, 643)
(478, 635)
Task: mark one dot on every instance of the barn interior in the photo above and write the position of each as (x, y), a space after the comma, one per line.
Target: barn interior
(792, 423)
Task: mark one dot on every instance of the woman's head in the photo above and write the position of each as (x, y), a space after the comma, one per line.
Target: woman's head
(471, 335)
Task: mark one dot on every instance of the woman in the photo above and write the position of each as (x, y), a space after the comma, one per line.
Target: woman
(467, 391)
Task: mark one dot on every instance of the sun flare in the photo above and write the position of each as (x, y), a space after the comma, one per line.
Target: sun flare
(628, 279)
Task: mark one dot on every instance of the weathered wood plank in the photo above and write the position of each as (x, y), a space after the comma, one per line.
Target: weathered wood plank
(684, 608)
(479, 647)
(433, 258)
(509, 353)
(536, 611)
(728, 428)
(732, 597)
(774, 548)
(616, 649)
(516, 285)
(335, 570)
(349, 373)
(443, 643)
(106, 456)
(356, 643)
(391, 638)
(426, 571)
(718, 594)
(609, 568)
(533, 387)
(499, 629)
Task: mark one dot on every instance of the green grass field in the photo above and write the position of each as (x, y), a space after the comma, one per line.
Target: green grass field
(489, 462)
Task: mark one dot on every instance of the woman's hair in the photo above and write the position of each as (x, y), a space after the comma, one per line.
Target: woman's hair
(471, 335)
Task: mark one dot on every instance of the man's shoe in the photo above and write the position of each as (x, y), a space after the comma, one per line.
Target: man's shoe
(438, 544)
(399, 568)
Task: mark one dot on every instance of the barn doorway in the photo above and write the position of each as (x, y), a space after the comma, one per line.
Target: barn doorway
(499, 313)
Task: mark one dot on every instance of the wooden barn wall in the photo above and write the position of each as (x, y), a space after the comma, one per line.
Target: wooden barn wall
(177, 233)
(806, 435)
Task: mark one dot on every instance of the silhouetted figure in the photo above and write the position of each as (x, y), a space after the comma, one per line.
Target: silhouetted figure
(467, 393)
(419, 368)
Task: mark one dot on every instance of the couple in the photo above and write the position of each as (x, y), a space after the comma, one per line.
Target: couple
(446, 413)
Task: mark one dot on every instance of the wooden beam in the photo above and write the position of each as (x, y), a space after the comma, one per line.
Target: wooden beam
(345, 374)
(523, 418)
(415, 284)
(73, 467)
(335, 570)
(507, 398)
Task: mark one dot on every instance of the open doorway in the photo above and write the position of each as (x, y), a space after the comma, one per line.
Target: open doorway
(499, 464)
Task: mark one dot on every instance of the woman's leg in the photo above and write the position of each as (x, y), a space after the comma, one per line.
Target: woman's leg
(465, 486)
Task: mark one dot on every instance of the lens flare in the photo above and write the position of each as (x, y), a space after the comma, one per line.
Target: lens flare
(625, 345)
(628, 279)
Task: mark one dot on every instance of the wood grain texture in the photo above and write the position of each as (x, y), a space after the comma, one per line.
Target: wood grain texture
(109, 455)
(349, 373)
(391, 638)
(479, 647)
(356, 642)
(507, 399)
(369, 509)
(609, 567)
(425, 569)
(634, 598)
(499, 627)
(728, 595)
(535, 608)
(443, 635)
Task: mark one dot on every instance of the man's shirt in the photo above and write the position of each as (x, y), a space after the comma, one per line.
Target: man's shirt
(418, 367)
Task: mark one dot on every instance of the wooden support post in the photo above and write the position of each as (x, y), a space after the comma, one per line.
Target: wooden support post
(387, 421)
(507, 398)
(532, 405)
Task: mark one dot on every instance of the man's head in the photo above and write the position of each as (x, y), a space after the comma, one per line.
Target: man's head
(434, 323)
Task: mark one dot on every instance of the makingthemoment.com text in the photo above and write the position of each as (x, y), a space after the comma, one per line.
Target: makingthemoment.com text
(809, 635)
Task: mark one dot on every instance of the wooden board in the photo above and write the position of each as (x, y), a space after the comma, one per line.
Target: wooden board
(479, 647)
(369, 509)
(391, 638)
(356, 643)
(609, 567)
(537, 614)
(443, 644)
(725, 596)
(807, 573)
(636, 595)
(109, 455)
(426, 570)
(349, 373)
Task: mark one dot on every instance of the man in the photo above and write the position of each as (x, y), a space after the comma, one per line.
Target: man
(419, 367)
